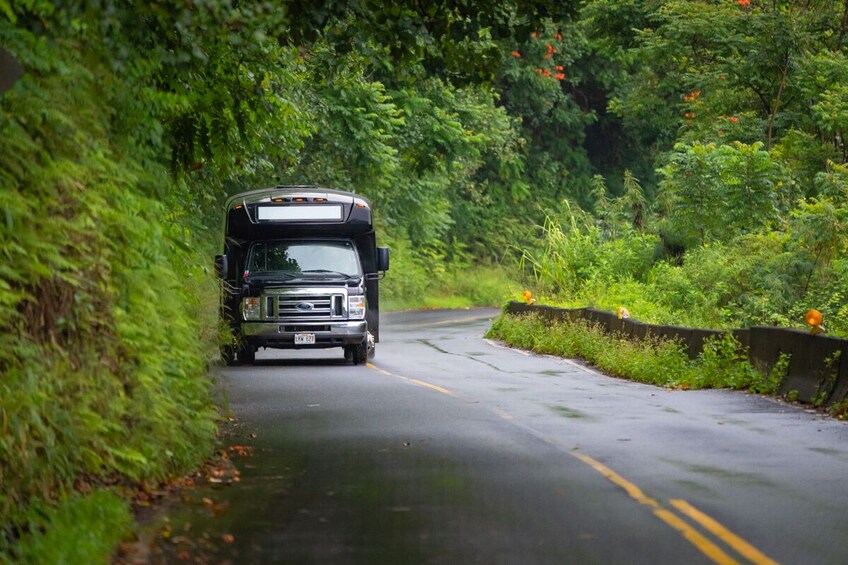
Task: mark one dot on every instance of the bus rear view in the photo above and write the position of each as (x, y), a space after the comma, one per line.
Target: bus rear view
(300, 269)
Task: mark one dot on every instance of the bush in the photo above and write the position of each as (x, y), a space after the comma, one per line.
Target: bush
(723, 362)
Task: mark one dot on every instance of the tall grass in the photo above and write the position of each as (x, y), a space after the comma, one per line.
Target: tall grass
(81, 529)
(102, 362)
(768, 278)
(723, 364)
(422, 278)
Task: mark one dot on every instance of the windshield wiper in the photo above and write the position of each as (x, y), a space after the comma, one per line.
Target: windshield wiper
(328, 272)
(275, 277)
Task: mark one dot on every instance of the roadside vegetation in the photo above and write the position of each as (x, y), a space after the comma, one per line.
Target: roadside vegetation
(104, 313)
(769, 277)
(682, 158)
(467, 286)
(723, 363)
(731, 210)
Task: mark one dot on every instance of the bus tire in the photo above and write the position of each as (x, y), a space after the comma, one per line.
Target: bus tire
(358, 354)
(246, 355)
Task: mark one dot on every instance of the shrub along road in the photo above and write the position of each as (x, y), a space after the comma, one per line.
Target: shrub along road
(450, 448)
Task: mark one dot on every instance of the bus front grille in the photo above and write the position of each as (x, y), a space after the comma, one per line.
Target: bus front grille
(305, 307)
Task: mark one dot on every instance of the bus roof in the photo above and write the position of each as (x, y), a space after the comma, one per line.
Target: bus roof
(286, 211)
(285, 192)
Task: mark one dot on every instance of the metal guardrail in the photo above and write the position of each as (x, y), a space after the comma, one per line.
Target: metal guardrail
(818, 364)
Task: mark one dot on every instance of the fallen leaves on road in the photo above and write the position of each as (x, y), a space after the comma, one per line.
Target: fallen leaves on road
(172, 543)
(222, 472)
(241, 450)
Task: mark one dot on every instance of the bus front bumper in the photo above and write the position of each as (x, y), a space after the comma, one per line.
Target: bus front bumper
(283, 335)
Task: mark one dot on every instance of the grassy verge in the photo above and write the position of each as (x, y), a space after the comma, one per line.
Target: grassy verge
(723, 364)
(82, 529)
(463, 288)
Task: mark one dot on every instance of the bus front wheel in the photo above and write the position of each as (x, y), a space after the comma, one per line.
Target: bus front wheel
(246, 354)
(357, 354)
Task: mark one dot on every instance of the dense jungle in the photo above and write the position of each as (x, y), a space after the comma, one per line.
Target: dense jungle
(681, 158)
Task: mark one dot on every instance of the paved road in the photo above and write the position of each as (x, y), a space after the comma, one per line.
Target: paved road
(453, 449)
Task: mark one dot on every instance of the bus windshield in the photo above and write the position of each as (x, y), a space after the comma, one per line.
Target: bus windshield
(303, 258)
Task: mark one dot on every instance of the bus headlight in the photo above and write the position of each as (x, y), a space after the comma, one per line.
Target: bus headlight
(250, 308)
(356, 307)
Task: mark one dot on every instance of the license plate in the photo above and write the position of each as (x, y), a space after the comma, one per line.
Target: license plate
(304, 339)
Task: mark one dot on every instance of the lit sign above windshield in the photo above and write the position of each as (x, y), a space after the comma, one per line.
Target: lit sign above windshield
(299, 213)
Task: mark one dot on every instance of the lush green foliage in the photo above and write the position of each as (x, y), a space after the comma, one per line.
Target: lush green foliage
(735, 106)
(84, 529)
(458, 288)
(723, 364)
(130, 125)
(683, 158)
(713, 139)
(717, 192)
(755, 279)
(102, 362)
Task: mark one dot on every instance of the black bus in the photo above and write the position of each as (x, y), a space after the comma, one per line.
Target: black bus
(300, 269)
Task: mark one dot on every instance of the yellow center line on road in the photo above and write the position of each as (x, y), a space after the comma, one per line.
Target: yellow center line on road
(414, 381)
(741, 546)
(706, 546)
(696, 538)
(631, 489)
(431, 386)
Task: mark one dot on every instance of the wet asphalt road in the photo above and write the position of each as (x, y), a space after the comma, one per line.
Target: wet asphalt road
(449, 448)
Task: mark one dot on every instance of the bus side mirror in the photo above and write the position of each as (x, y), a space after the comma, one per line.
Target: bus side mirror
(382, 258)
(221, 266)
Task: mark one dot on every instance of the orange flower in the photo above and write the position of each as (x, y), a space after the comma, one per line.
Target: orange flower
(539, 71)
(744, 3)
(559, 76)
(692, 96)
(559, 67)
(546, 72)
(516, 54)
(734, 119)
(558, 37)
(534, 35)
(689, 115)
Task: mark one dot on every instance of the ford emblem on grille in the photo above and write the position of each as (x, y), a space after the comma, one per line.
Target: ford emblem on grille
(306, 306)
